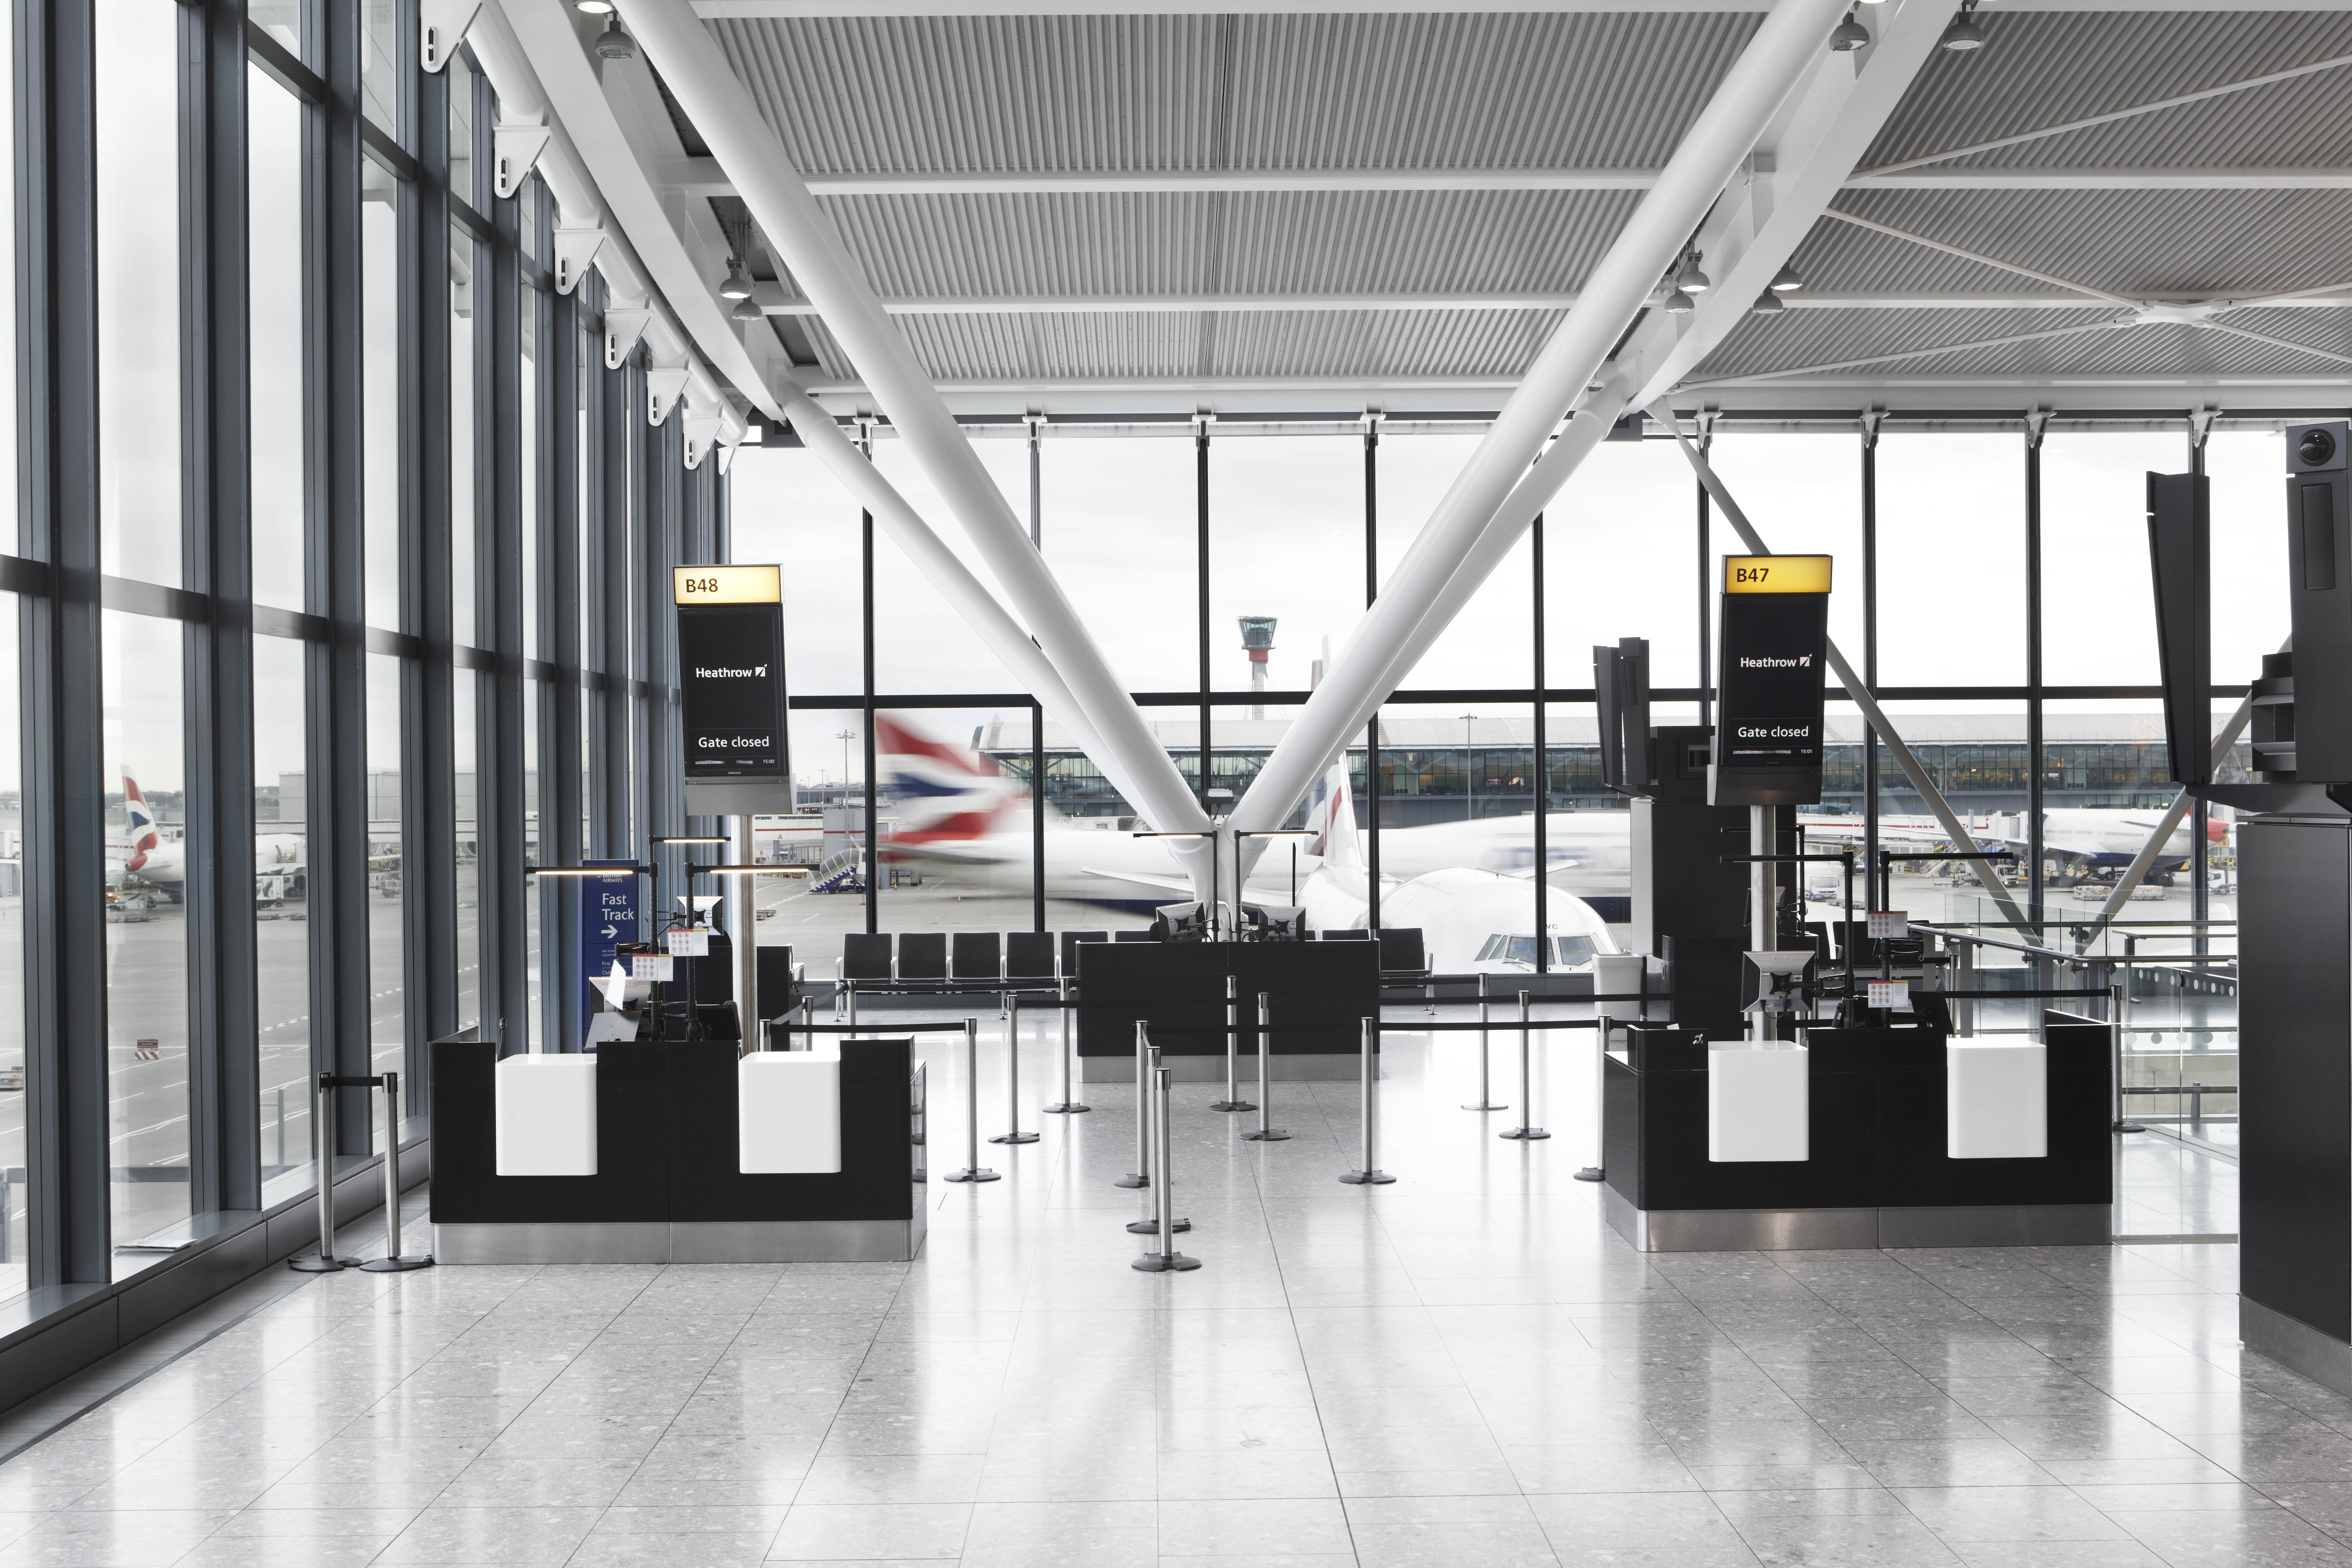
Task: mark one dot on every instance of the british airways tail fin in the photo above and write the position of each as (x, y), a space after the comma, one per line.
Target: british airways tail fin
(1331, 817)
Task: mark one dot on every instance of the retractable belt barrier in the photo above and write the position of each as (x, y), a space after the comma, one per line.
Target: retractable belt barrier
(322, 1123)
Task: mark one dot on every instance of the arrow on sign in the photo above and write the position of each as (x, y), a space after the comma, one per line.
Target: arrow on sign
(611, 932)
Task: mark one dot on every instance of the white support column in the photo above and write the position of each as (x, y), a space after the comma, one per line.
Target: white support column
(1791, 42)
(950, 576)
(706, 88)
(1817, 140)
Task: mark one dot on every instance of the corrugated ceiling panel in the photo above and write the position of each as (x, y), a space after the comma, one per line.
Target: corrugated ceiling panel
(2162, 350)
(2044, 68)
(1309, 241)
(1799, 338)
(1161, 345)
(2138, 243)
(1037, 93)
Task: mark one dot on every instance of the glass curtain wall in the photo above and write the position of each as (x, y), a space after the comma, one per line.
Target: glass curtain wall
(317, 453)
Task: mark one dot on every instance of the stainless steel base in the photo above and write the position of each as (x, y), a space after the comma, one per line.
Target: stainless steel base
(1807, 1230)
(1303, 1068)
(2296, 1345)
(734, 1241)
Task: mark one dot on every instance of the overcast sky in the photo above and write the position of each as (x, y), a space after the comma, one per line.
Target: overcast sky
(1286, 539)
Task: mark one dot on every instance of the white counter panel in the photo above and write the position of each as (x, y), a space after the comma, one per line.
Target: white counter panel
(788, 1115)
(1758, 1101)
(1996, 1098)
(547, 1115)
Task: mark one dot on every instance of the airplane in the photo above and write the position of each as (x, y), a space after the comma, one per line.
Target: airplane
(955, 809)
(1472, 920)
(2083, 840)
(146, 862)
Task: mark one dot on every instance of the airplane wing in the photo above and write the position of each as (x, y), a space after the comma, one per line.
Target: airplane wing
(1165, 884)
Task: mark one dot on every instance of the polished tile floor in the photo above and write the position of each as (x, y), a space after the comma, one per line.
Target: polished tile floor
(1466, 1368)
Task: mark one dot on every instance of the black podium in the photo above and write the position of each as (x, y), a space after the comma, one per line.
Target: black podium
(1877, 1175)
(667, 1187)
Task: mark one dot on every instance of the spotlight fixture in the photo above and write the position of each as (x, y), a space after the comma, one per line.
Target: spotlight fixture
(1964, 33)
(1688, 278)
(737, 285)
(1850, 36)
(1680, 304)
(613, 43)
(746, 309)
(1787, 281)
(593, 7)
(1768, 304)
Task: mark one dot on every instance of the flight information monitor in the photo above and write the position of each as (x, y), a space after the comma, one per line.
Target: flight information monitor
(730, 662)
(1773, 645)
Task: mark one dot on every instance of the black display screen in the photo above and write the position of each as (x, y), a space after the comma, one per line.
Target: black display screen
(1771, 680)
(731, 681)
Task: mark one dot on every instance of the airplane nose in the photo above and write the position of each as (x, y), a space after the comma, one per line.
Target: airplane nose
(2217, 831)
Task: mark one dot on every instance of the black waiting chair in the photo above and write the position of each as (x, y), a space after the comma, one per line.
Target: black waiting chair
(864, 955)
(1070, 939)
(1355, 933)
(923, 955)
(1133, 936)
(976, 957)
(1029, 956)
(1404, 959)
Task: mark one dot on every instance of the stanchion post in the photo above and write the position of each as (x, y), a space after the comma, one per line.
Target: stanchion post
(973, 1170)
(1369, 1174)
(1233, 1101)
(1156, 1076)
(1527, 1130)
(1141, 1175)
(322, 1139)
(393, 1262)
(1012, 1133)
(1266, 1132)
(1066, 1106)
(1164, 1258)
(1485, 1090)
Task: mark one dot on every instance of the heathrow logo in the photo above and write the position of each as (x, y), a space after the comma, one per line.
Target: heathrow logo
(706, 672)
(1802, 661)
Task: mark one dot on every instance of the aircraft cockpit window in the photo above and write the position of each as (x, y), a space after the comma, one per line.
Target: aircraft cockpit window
(1572, 949)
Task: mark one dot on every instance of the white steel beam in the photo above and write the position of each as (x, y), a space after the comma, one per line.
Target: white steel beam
(805, 242)
(772, 299)
(1790, 44)
(939, 564)
(704, 177)
(585, 195)
(1747, 234)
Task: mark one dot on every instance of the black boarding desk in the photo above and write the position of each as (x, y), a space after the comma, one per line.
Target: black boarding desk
(1320, 994)
(1877, 1174)
(668, 1188)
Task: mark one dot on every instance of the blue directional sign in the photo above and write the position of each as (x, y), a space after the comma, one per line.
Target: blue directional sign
(609, 915)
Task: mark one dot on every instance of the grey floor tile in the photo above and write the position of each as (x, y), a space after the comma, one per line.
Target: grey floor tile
(910, 1530)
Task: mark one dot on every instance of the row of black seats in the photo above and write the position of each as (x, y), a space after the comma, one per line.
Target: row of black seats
(985, 959)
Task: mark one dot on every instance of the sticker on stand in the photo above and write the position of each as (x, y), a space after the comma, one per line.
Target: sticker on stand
(1891, 994)
(683, 943)
(1889, 924)
(648, 966)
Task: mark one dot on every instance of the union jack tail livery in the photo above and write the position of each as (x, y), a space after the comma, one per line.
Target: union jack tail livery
(944, 793)
(138, 824)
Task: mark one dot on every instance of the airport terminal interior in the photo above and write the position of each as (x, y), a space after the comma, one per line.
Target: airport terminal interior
(1138, 783)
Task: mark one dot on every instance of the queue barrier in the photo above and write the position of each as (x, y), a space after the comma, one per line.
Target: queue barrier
(324, 1260)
